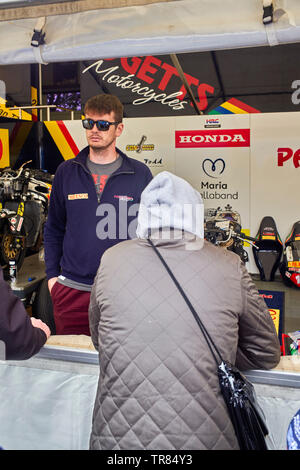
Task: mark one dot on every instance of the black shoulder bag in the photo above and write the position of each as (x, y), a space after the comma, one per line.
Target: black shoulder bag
(239, 395)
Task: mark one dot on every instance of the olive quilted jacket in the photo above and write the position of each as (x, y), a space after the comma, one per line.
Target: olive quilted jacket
(158, 387)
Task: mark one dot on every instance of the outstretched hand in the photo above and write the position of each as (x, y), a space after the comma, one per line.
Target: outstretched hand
(40, 324)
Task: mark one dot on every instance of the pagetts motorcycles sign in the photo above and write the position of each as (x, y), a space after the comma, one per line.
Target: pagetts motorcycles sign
(213, 138)
(149, 86)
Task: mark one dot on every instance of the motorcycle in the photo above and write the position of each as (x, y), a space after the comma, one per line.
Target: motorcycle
(223, 228)
(24, 199)
(290, 265)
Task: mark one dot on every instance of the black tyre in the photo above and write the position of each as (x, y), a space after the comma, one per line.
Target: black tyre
(42, 307)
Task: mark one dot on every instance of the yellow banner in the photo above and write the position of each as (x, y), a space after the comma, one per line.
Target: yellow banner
(13, 114)
(4, 148)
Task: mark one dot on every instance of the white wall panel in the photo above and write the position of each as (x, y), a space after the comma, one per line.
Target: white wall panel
(223, 167)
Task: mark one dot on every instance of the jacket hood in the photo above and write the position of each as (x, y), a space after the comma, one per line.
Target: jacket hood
(170, 201)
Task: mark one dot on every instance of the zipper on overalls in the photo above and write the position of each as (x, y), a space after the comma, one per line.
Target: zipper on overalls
(99, 196)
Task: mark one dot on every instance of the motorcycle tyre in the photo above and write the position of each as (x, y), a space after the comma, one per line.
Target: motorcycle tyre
(42, 307)
(21, 255)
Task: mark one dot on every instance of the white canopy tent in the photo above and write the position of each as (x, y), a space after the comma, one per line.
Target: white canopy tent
(124, 28)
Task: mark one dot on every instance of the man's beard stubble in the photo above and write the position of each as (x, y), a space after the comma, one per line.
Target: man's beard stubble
(99, 148)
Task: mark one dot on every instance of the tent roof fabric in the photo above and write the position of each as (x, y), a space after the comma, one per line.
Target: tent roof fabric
(11, 10)
(164, 27)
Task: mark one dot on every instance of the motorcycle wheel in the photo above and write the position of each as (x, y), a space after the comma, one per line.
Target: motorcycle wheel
(12, 247)
(42, 307)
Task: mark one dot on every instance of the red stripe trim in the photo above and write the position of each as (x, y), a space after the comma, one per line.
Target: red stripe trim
(244, 106)
(68, 137)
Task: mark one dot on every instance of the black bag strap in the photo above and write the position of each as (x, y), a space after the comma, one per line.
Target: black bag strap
(213, 348)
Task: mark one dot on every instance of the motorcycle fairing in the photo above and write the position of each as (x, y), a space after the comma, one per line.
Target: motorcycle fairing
(33, 218)
(290, 266)
(269, 249)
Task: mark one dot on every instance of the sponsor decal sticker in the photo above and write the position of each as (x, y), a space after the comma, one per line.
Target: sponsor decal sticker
(136, 148)
(212, 138)
(20, 224)
(21, 208)
(212, 122)
(155, 162)
(124, 198)
(213, 168)
(268, 236)
(293, 264)
(286, 153)
(206, 192)
(73, 197)
(275, 314)
(141, 146)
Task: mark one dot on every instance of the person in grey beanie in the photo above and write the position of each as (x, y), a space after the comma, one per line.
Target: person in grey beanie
(158, 385)
(171, 203)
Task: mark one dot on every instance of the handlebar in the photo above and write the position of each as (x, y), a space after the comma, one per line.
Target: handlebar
(243, 236)
(16, 176)
(246, 237)
(232, 234)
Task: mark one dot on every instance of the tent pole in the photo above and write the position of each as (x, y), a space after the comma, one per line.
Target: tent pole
(40, 91)
(185, 82)
(40, 125)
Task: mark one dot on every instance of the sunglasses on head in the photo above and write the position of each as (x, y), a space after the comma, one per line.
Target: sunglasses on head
(101, 125)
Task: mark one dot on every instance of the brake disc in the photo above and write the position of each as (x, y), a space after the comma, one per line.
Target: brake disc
(12, 246)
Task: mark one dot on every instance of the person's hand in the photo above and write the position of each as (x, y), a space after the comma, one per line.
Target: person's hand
(40, 324)
(51, 283)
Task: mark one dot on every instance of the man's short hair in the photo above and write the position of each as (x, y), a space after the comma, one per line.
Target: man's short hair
(105, 104)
